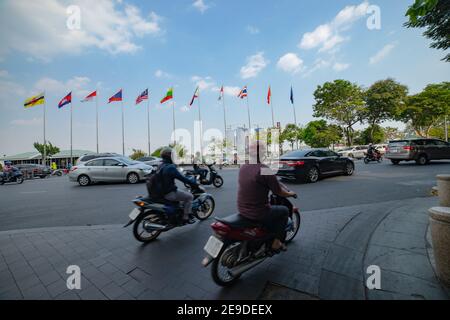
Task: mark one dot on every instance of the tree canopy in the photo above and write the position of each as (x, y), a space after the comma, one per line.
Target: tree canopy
(319, 134)
(50, 149)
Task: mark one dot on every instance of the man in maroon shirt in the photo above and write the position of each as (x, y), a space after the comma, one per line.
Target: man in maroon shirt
(253, 195)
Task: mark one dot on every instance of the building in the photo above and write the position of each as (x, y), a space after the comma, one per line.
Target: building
(61, 159)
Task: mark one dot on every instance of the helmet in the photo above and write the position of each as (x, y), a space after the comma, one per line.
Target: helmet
(166, 153)
(7, 163)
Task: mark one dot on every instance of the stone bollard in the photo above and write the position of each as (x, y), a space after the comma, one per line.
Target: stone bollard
(444, 189)
(440, 234)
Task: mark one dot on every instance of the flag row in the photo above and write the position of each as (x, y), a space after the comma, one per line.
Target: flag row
(40, 98)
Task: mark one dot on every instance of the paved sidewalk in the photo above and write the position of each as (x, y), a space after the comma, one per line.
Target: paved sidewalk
(328, 259)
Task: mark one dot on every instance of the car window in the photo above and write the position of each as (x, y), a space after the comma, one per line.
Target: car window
(320, 154)
(398, 143)
(110, 162)
(330, 153)
(95, 163)
(440, 143)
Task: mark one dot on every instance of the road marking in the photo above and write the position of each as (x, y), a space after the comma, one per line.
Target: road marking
(31, 192)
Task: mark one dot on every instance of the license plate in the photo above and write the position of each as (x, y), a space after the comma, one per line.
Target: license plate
(134, 214)
(213, 247)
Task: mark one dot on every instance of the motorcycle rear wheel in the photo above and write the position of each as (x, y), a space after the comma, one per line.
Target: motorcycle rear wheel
(290, 235)
(139, 234)
(218, 182)
(219, 272)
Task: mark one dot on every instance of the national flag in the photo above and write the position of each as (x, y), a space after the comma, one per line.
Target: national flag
(269, 96)
(243, 93)
(116, 97)
(292, 95)
(66, 100)
(221, 93)
(90, 97)
(34, 101)
(143, 96)
(169, 96)
(195, 96)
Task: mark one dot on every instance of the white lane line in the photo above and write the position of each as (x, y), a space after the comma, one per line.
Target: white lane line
(32, 192)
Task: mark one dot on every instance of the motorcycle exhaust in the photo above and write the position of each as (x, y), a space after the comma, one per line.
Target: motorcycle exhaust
(155, 227)
(237, 271)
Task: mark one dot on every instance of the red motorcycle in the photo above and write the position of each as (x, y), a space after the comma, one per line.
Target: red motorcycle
(239, 244)
(374, 156)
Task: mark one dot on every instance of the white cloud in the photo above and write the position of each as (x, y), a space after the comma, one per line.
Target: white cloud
(290, 63)
(10, 89)
(79, 86)
(27, 122)
(340, 66)
(383, 53)
(200, 5)
(255, 64)
(232, 91)
(161, 74)
(39, 28)
(252, 30)
(318, 65)
(203, 83)
(327, 36)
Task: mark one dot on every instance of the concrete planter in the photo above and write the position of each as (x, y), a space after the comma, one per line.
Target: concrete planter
(440, 234)
(444, 189)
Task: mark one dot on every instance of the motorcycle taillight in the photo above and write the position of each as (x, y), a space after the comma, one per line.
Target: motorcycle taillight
(220, 228)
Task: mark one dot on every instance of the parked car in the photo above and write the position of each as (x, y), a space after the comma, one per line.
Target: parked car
(109, 169)
(312, 164)
(357, 152)
(88, 157)
(420, 150)
(151, 161)
(35, 170)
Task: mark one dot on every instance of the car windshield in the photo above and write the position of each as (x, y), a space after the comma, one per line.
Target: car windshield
(297, 154)
(127, 161)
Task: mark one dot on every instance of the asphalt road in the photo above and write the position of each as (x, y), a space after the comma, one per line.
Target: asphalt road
(57, 202)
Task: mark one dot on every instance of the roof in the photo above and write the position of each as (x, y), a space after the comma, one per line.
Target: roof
(37, 156)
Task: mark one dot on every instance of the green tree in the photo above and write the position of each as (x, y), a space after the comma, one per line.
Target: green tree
(292, 134)
(383, 98)
(426, 109)
(319, 134)
(340, 101)
(434, 16)
(373, 134)
(137, 154)
(391, 133)
(48, 149)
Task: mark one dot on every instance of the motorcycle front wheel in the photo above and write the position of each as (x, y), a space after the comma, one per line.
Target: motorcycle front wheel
(366, 160)
(19, 180)
(206, 209)
(218, 182)
(219, 270)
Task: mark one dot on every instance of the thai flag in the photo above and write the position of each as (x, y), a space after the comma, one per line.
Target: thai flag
(116, 97)
(143, 96)
(66, 100)
(243, 93)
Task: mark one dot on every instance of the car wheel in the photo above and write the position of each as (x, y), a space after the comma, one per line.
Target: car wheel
(422, 160)
(84, 180)
(133, 178)
(313, 175)
(349, 169)
(395, 162)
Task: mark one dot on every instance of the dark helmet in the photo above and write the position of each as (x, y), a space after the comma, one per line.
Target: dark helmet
(166, 153)
(7, 163)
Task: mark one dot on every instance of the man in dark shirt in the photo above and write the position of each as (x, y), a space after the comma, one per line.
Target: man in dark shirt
(169, 173)
(253, 196)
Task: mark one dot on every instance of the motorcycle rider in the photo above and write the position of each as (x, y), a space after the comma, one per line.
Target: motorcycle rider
(255, 182)
(8, 169)
(200, 171)
(169, 173)
(371, 152)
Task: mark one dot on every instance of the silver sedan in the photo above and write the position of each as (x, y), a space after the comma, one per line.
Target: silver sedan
(109, 169)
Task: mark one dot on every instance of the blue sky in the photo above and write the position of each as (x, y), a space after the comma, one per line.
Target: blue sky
(156, 44)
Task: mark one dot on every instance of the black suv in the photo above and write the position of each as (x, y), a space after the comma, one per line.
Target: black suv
(420, 150)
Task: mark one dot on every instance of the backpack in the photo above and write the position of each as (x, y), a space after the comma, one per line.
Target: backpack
(155, 183)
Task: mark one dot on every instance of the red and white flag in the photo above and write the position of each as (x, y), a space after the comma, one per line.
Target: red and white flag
(269, 96)
(90, 97)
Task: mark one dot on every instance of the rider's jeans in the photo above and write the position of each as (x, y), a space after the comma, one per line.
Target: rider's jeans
(185, 197)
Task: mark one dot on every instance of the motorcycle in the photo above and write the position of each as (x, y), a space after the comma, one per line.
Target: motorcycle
(213, 179)
(15, 176)
(239, 244)
(375, 156)
(153, 217)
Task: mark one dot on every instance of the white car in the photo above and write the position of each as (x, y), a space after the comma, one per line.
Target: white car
(357, 152)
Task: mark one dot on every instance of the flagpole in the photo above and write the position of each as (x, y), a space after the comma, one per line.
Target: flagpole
(96, 117)
(44, 160)
(446, 128)
(293, 107)
(71, 122)
(123, 129)
(173, 120)
(225, 123)
(148, 123)
(201, 126)
(271, 107)
(248, 112)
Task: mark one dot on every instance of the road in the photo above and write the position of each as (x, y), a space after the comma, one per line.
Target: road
(57, 202)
